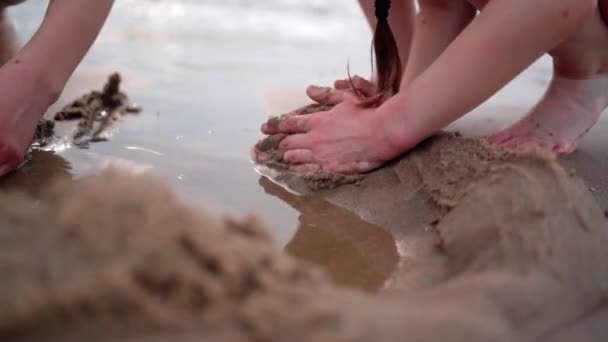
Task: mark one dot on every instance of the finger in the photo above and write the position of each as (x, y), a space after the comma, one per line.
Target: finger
(270, 142)
(342, 84)
(268, 129)
(272, 125)
(325, 95)
(300, 156)
(295, 124)
(288, 125)
(365, 86)
(296, 141)
(260, 157)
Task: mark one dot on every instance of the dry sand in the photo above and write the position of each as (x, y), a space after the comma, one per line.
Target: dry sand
(513, 249)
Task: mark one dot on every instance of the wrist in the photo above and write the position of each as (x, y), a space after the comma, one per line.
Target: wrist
(43, 80)
(399, 128)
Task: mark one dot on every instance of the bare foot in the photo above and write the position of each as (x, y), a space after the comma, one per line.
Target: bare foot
(557, 123)
(575, 98)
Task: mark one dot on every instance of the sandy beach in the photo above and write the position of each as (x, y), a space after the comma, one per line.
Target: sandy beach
(410, 248)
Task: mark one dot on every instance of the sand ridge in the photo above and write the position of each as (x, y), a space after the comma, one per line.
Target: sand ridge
(518, 249)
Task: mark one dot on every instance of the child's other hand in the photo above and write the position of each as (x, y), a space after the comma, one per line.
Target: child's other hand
(24, 97)
(335, 95)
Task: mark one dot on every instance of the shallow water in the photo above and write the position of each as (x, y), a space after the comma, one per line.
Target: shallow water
(207, 73)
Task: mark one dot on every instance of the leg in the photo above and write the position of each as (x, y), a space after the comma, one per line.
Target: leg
(575, 98)
(501, 42)
(435, 27)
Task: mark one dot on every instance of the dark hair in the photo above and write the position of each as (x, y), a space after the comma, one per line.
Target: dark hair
(388, 63)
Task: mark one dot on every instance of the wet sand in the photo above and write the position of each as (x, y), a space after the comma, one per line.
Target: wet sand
(514, 238)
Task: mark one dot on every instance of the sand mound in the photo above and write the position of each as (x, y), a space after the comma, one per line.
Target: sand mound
(519, 250)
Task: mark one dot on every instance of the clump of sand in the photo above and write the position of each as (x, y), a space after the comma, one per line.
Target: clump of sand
(521, 248)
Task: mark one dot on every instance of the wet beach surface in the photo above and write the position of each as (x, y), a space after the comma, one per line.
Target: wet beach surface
(207, 73)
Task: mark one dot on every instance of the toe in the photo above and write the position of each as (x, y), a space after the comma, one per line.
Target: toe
(499, 138)
(565, 148)
(529, 145)
(514, 143)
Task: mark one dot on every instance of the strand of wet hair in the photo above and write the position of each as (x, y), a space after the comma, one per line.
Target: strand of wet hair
(388, 62)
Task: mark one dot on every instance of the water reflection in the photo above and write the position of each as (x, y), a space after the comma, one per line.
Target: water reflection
(351, 251)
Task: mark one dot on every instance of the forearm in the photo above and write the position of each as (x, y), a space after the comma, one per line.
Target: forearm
(67, 32)
(401, 20)
(506, 38)
(437, 24)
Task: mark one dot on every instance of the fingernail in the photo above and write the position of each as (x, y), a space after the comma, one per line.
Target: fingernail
(270, 142)
(273, 124)
(276, 156)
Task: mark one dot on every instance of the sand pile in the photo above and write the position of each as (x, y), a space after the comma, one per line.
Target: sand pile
(518, 252)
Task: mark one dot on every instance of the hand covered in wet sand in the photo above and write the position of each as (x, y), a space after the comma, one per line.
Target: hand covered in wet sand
(345, 139)
(23, 101)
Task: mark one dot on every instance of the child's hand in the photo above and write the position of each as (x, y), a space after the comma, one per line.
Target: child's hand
(335, 95)
(346, 139)
(24, 99)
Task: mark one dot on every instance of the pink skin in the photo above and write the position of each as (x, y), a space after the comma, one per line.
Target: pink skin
(32, 78)
(575, 98)
(313, 143)
(354, 139)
